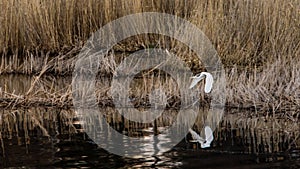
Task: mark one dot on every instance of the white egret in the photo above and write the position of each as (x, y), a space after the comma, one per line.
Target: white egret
(208, 81)
(203, 142)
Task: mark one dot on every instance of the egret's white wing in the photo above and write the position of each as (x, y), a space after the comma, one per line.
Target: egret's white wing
(209, 137)
(208, 82)
(196, 79)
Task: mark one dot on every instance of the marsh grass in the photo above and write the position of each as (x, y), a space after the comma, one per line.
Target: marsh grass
(275, 88)
(245, 33)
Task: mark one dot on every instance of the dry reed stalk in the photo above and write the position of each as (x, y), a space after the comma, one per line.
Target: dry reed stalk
(2, 144)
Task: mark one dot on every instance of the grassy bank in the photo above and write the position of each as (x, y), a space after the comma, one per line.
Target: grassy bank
(258, 42)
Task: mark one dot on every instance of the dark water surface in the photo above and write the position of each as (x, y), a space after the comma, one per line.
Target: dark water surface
(239, 143)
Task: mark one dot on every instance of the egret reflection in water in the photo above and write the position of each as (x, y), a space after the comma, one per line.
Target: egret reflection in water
(208, 131)
(205, 143)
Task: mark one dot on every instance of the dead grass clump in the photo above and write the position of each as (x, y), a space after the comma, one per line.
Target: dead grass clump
(275, 88)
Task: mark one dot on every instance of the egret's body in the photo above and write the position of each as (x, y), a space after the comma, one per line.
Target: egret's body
(208, 81)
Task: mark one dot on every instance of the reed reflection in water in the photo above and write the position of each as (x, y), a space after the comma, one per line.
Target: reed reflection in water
(240, 135)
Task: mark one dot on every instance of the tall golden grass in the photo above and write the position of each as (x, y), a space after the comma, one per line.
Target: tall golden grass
(244, 32)
(57, 25)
